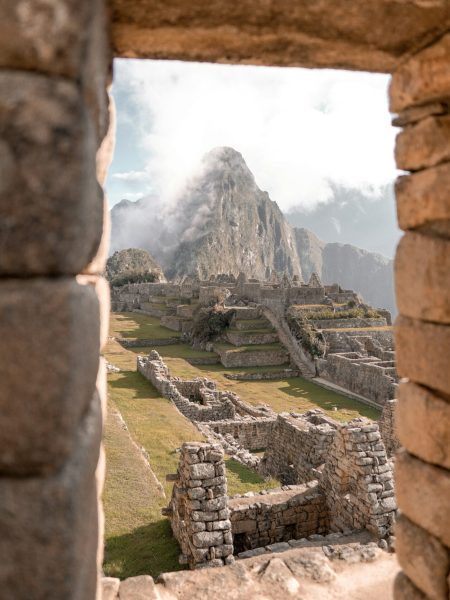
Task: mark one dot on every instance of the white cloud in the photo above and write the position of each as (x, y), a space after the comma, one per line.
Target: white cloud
(131, 176)
(296, 128)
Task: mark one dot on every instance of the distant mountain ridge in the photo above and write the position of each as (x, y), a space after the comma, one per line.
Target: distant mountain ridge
(224, 223)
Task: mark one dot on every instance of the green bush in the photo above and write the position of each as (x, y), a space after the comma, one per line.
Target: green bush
(210, 323)
(306, 334)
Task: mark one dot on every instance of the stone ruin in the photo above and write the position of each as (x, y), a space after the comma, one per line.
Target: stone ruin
(359, 352)
(199, 507)
(353, 491)
(336, 478)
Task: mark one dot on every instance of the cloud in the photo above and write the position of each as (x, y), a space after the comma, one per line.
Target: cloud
(297, 129)
(131, 176)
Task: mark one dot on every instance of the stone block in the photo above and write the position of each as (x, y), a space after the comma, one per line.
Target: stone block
(422, 492)
(204, 539)
(51, 205)
(138, 588)
(417, 113)
(422, 352)
(202, 471)
(423, 423)
(50, 328)
(51, 523)
(423, 78)
(422, 277)
(423, 199)
(425, 144)
(423, 558)
(404, 589)
(110, 588)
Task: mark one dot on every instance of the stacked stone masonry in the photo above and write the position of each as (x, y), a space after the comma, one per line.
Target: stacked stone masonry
(199, 507)
(298, 446)
(354, 490)
(419, 94)
(55, 67)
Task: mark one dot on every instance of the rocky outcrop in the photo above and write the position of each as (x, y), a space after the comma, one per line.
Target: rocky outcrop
(234, 227)
(224, 223)
(133, 265)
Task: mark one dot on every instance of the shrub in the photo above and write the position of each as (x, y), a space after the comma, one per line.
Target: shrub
(210, 323)
(306, 334)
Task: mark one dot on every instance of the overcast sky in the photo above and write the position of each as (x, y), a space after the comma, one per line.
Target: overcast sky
(296, 128)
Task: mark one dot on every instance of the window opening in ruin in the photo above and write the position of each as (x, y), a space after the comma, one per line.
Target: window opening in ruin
(253, 230)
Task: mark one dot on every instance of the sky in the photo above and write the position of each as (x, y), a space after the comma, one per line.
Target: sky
(300, 131)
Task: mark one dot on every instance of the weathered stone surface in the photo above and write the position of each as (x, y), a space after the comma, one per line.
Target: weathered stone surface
(417, 113)
(423, 200)
(51, 206)
(404, 589)
(46, 36)
(51, 523)
(101, 288)
(424, 77)
(202, 471)
(424, 144)
(138, 588)
(50, 329)
(422, 277)
(326, 33)
(423, 558)
(422, 493)
(423, 424)
(422, 352)
(110, 588)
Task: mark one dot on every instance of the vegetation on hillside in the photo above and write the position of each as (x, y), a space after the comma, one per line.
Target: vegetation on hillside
(132, 266)
(306, 334)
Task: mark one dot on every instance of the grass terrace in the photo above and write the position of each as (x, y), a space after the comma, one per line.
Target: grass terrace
(130, 325)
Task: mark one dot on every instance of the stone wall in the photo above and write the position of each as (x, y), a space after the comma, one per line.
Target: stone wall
(253, 434)
(198, 508)
(207, 405)
(419, 94)
(362, 375)
(55, 67)
(357, 480)
(298, 446)
(277, 516)
(387, 427)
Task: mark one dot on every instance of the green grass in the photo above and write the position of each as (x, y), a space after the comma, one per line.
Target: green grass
(177, 351)
(137, 326)
(240, 479)
(250, 348)
(250, 331)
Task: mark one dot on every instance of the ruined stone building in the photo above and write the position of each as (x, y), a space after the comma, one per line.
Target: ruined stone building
(55, 60)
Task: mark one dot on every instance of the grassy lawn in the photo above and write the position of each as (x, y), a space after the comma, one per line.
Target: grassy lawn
(250, 347)
(137, 326)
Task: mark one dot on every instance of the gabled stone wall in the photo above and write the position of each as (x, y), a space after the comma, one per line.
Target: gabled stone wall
(357, 480)
(298, 445)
